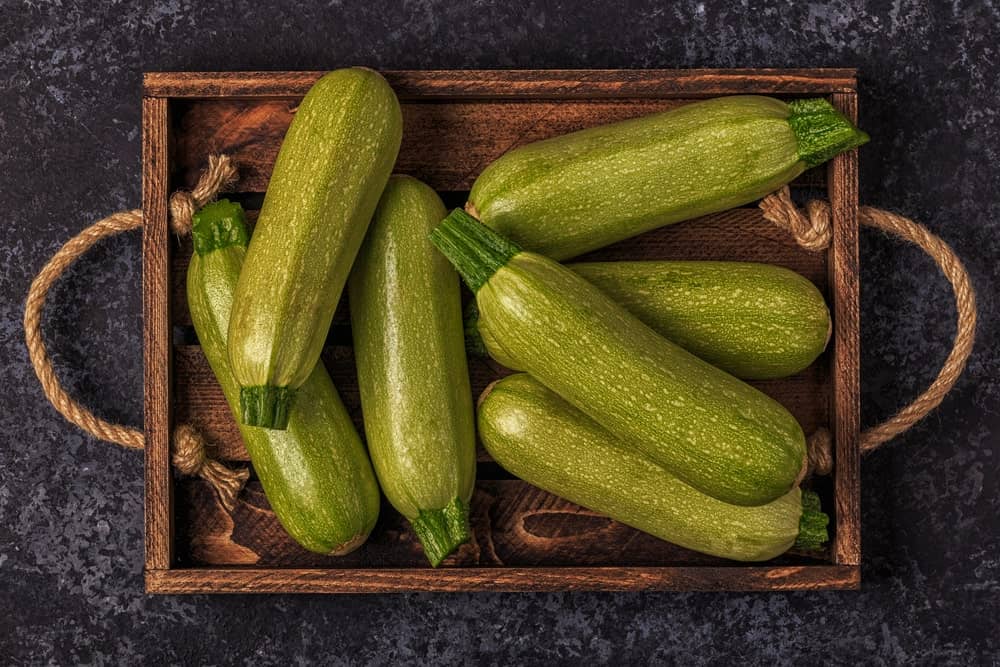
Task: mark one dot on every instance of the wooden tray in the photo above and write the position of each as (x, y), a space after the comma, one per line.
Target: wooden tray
(456, 122)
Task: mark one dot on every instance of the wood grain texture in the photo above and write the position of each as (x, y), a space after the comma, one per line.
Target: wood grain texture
(156, 333)
(444, 145)
(517, 84)
(513, 524)
(526, 539)
(846, 352)
(507, 579)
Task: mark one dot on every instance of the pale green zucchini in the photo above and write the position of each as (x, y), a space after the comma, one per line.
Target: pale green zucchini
(756, 321)
(315, 473)
(545, 441)
(406, 317)
(708, 428)
(334, 162)
(570, 194)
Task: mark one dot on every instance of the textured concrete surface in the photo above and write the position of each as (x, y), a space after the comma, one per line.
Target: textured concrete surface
(71, 507)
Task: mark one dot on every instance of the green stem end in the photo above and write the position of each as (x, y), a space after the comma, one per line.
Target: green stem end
(219, 225)
(266, 406)
(476, 250)
(822, 131)
(442, 531)
(812, 526)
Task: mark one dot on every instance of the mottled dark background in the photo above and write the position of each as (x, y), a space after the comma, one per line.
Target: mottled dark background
(71, 556)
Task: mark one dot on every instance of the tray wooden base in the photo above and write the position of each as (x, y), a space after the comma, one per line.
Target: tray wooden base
(457, 122)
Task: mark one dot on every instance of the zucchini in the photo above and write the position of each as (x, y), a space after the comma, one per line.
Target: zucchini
(545, 441)
(756, 321)
(406, 318)
(315, 473)
(714, 432)
(334, 161)
(570, 194)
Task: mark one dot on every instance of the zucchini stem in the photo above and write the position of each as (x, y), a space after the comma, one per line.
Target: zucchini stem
(476, 250)
(266, 406)
(812, 525)
(821, 131)
(219, 225)
(442, 531)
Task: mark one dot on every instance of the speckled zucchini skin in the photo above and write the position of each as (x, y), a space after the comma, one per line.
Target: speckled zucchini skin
(315, 473)
(333, 164)
(756, 321)
(565, 196)
(708, 428)
(545, 441)
(406, 317)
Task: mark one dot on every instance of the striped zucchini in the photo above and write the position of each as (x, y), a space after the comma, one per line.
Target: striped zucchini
(315, 473)
(570, 194)
(333, 164)
(756, 321)
(545, 441)
(406, 317)
(714, 432)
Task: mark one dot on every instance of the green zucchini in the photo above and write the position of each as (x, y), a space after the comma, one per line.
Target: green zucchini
(756, 321)
(315, 473)
(406, 318)
(570, 194)
(333, 164)
(714, 432)
(545, 441)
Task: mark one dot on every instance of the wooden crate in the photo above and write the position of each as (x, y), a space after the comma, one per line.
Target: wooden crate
(456, 122)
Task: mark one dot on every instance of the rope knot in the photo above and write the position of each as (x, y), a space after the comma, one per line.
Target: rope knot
(182, 210)
(189, 457)
(813, 231)
(819, 449)
(183, 205)
(188, 451)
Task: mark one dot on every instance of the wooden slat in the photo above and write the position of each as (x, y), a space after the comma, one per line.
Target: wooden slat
(445, 145)
(156, 334)
(846, 347)
(510, 579)
(741, 234)
(199, 399)
(513, 524)
(518, 84)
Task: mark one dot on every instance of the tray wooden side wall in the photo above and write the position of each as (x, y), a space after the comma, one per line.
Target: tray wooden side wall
(456, 122)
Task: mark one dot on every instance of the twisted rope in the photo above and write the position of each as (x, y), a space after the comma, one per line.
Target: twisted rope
(188, 447)
(819, 452)
(814, 231)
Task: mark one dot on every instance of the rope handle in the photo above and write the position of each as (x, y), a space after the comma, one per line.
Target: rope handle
(813, 231)
(188, 447)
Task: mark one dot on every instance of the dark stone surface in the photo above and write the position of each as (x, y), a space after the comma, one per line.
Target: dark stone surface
(71, 507)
